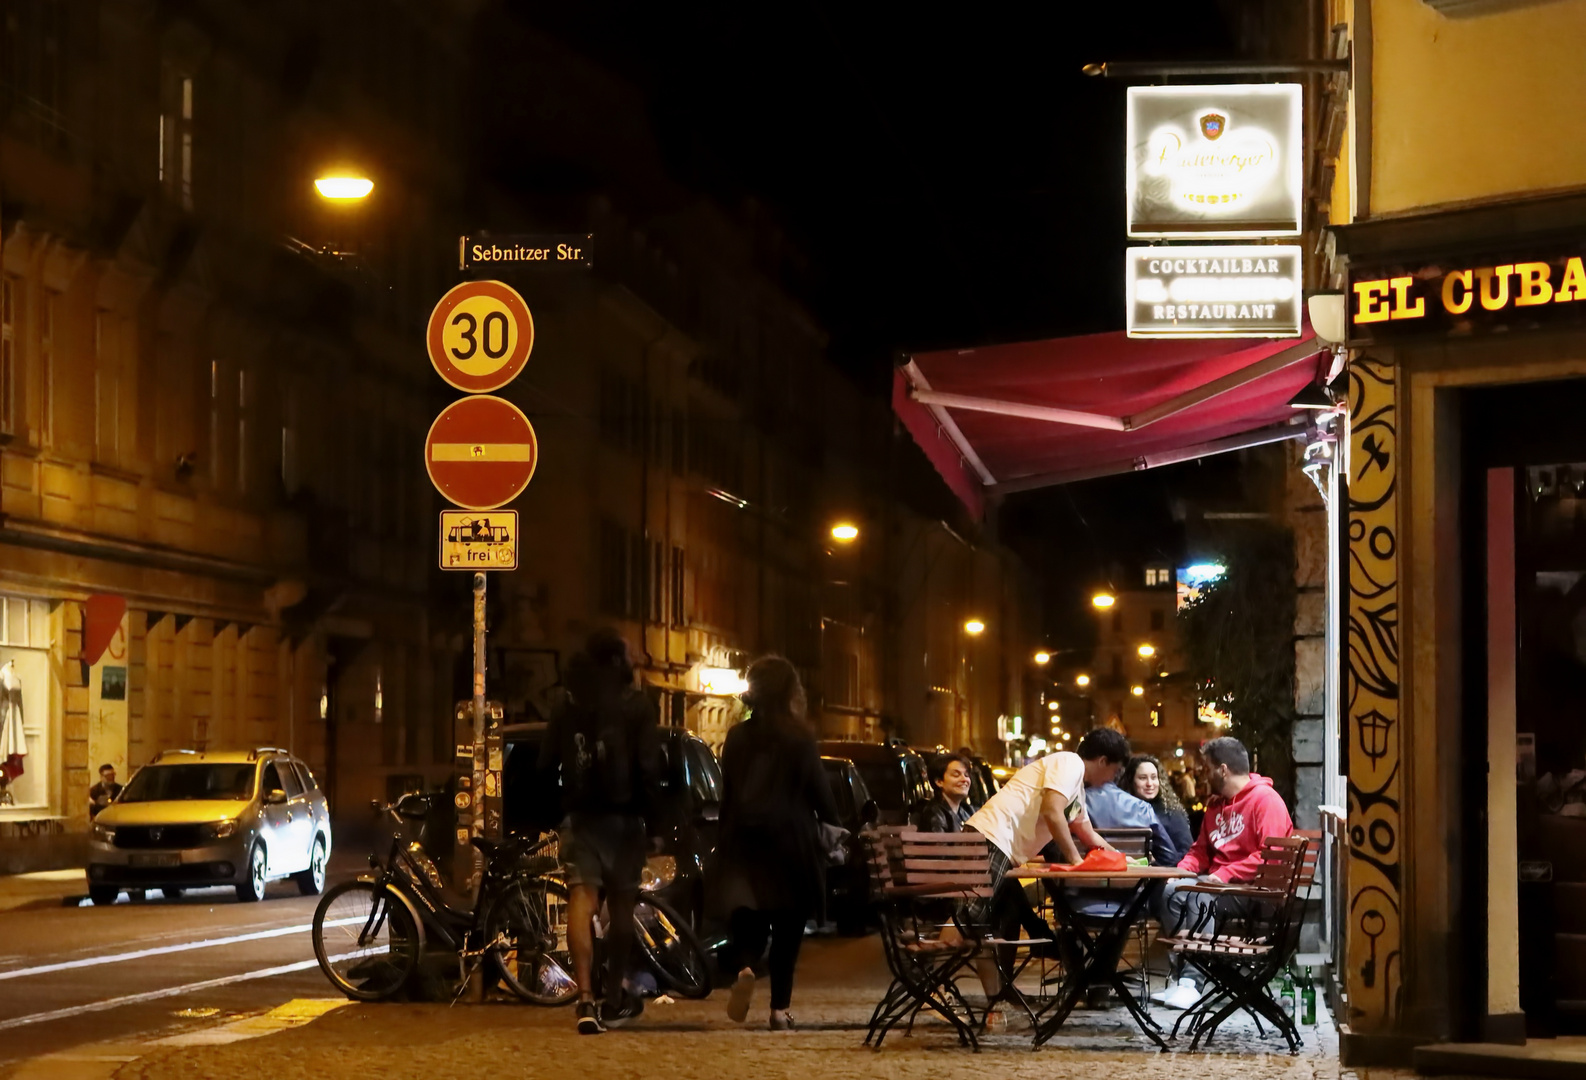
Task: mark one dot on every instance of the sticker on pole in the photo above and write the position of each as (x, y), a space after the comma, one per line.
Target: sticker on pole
(479, 540)
(479, 336)
(481, 452)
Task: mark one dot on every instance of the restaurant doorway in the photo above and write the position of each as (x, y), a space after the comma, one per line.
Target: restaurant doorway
(1525, 843)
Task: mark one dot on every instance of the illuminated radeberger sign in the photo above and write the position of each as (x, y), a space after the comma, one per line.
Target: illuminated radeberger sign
(1466, 295)
(1226, 290)
(1214, 161)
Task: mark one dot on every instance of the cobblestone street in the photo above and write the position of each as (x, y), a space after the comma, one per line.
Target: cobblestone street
(840, 981)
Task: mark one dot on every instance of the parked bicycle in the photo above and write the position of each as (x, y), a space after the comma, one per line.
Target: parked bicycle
(671, 951)
(370, 934)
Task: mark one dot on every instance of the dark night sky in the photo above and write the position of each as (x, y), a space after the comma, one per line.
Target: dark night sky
(953, 180)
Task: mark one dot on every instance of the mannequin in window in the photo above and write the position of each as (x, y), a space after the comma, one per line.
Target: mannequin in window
(13, 742)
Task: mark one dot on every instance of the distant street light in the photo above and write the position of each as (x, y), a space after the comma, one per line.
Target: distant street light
(1066, 736)
(1083, 680)
(1146, 651)
(1051, 706)
(1137, 691)
(845, 533)
(1103, 600)
(343, 187)
(1043, 657)
(974, 626)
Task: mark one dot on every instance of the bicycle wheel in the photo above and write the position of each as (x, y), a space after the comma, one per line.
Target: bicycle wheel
(526, 935)
(365, 941)
(671, 948)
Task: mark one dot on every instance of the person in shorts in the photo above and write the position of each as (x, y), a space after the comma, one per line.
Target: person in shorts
(605, 744)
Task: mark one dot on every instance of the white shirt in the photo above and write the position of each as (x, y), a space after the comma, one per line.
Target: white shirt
(1011, 818)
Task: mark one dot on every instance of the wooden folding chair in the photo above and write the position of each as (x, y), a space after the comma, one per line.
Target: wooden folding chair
(1253, 931)
(921, 963)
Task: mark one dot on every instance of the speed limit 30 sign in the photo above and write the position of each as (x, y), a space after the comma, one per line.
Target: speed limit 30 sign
(480, 336)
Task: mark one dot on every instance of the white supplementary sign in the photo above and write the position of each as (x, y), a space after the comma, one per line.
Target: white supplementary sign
(1229, 290)
(1214, 161)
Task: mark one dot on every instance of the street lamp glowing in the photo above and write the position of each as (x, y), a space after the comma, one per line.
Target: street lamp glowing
(1137, 691)
(343, 187)
(974, 626)
(1083, 680)
(1051, 706)
(1146, 651)
(1103, 600)
(1067, 736)
(845, 533)
(1043, 657)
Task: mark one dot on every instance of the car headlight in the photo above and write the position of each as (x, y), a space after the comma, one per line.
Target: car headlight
(105, 834)
(221, 829)
(659, 872)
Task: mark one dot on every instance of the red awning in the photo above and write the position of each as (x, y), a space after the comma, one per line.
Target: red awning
(1008, 418)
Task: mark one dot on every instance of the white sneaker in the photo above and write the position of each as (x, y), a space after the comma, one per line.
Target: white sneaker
(1182, 996)
(1161, 995)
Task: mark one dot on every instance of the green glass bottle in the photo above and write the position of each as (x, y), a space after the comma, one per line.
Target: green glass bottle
(1286, 995)
(1308, 1000)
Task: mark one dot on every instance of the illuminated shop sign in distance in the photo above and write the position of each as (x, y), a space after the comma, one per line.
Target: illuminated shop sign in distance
(1214, 162)
(1221, 291)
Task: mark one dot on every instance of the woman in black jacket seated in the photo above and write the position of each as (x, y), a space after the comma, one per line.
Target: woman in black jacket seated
(1142, 778)
(950, 809)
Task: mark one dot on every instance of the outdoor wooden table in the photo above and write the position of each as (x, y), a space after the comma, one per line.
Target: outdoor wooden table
(1135, 886)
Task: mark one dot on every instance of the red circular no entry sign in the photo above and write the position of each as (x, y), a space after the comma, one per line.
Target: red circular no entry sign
(481, 452)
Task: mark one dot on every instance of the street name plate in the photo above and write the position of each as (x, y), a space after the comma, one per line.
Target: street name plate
(479, 540)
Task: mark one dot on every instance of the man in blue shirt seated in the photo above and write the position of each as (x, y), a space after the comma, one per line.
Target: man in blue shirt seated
(1111, 807)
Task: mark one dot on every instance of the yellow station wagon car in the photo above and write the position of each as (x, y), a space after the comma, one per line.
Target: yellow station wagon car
(191, 820)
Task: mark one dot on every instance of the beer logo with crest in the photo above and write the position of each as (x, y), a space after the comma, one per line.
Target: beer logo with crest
(1213, 126)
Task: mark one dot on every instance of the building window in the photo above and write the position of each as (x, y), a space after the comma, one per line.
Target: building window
(242, 430)
(613, 569)
(1117, 622)
(214, 423)
(679, 617)
(1156, 576)
(47, 312)
(187, 144)
(8, 375)
(1156, 716)
(107, 389)
(379, 695)
(289, 442)
(1117, 666)
(1158, 619)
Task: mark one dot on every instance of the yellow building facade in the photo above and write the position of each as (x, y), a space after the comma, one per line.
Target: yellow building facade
(1457, 205)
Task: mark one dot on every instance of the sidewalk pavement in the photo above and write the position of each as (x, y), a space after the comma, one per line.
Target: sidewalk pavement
(42, 888)
(840, 981)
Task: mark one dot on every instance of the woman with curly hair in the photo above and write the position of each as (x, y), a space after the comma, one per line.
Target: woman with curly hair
(1143, 778)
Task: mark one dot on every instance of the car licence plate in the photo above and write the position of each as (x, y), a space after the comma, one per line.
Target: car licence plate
(156, 860)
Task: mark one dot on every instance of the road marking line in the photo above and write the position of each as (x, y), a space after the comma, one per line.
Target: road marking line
(294, 1013)
(173, 991)
(165, 950)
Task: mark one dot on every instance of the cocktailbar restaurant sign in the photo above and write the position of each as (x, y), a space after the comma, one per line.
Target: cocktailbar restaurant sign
(1212, 162)
(1223, 290)
(1466, 295)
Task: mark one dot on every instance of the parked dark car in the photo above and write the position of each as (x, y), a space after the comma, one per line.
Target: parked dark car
(690, 779)
(848, 887)
(894, 776)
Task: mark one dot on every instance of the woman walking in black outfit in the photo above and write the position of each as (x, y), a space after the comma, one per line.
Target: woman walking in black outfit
(772, 872)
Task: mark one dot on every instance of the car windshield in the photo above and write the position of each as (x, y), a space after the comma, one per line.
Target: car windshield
(884, 781)
(842, 794)
(160, 783)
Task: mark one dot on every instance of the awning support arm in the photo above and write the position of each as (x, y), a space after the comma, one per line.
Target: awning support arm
(1260, 437)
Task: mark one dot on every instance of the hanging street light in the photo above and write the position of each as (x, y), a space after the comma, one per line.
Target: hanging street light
(343, 188)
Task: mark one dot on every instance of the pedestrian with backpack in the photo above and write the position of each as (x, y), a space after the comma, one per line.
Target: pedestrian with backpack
(604, 742)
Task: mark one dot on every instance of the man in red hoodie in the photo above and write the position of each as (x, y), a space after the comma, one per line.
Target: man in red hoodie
(1243, 812)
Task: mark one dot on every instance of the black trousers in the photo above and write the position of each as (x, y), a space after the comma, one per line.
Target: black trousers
(785, 928)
